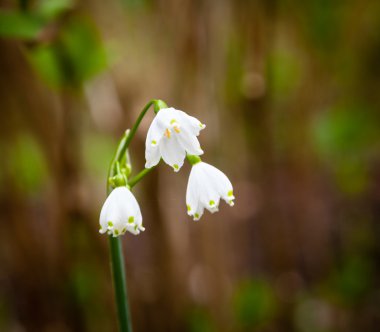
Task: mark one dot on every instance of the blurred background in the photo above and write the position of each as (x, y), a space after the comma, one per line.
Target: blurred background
(290, 93)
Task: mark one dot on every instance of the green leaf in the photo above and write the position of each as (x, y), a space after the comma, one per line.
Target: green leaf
(254, 303)
(44, 60)
(83, 50)
(19, 25)
(50, 9)
(28, 164)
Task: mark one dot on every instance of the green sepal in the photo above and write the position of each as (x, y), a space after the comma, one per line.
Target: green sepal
(159, 104)
(192, 159)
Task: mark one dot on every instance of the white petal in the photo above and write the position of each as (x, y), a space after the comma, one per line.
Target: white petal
(189, 142)
(191, 123)
(206, 186)
(120, 211)
(158, 126)
(103, 217)
(152, 156)
(220, 182)
(192, 194)
(172, 152)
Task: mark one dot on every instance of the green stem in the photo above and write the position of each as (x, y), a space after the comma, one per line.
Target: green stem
(132, 182)
(120, 285)
(158, 104)
(119, 279)
(116, 249)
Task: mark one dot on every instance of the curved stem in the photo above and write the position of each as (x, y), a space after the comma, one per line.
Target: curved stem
(158, 104)
(116, 249)
(132, 182)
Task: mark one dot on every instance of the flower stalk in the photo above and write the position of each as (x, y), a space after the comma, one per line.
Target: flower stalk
(118, 173)
(172, 137)
(119, 282)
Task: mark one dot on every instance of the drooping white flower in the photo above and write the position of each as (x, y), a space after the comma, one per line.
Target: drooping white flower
(120, 213)
(206, 186)
(171, 135)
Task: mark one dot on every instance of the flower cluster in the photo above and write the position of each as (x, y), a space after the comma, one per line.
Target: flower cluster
(172, 136)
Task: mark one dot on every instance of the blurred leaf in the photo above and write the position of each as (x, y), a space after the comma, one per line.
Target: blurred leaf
(45, 61)
(76, 56)
(322, 22)
(350, 284)
(346, 129)
(347, 138)
(200, 321)
(254, 303)
(28, 164)
(98, 151)
(82, 50)
(50, 9)
(19, 25)
(283, 72)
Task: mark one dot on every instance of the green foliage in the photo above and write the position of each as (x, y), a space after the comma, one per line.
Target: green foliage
(349, 284)
(254, 304)
(28, 164)
(346, 138)
(200, 321)
(28, 25)
(82, 50)
(50, 9)
(284, 72)
(76, 56)
(322, 22)
(20, 25)
(45, 61)
(97, 153)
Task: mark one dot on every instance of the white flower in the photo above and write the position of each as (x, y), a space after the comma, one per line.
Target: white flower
(171, 135)
(120, 213)
(206, 186)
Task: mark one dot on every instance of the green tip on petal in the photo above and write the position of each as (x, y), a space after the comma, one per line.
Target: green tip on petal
(230, 193)
(110, 224)
(212, 203)
(116, 232)
(154, 142)
(188, 208)
(196, 215)
(131, 220)
(173, 121)
(124, 230)
(175, 166)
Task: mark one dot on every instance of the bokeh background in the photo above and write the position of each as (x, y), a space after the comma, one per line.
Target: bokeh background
(290, 93)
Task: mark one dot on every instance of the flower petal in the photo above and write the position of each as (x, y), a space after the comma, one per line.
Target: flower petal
(206, 186)
(189, 142)
(193, 125)
(172, 153)
(120, 211)
(152, 156)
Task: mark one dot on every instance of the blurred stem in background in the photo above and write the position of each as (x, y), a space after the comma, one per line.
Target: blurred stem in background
(120, 168)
